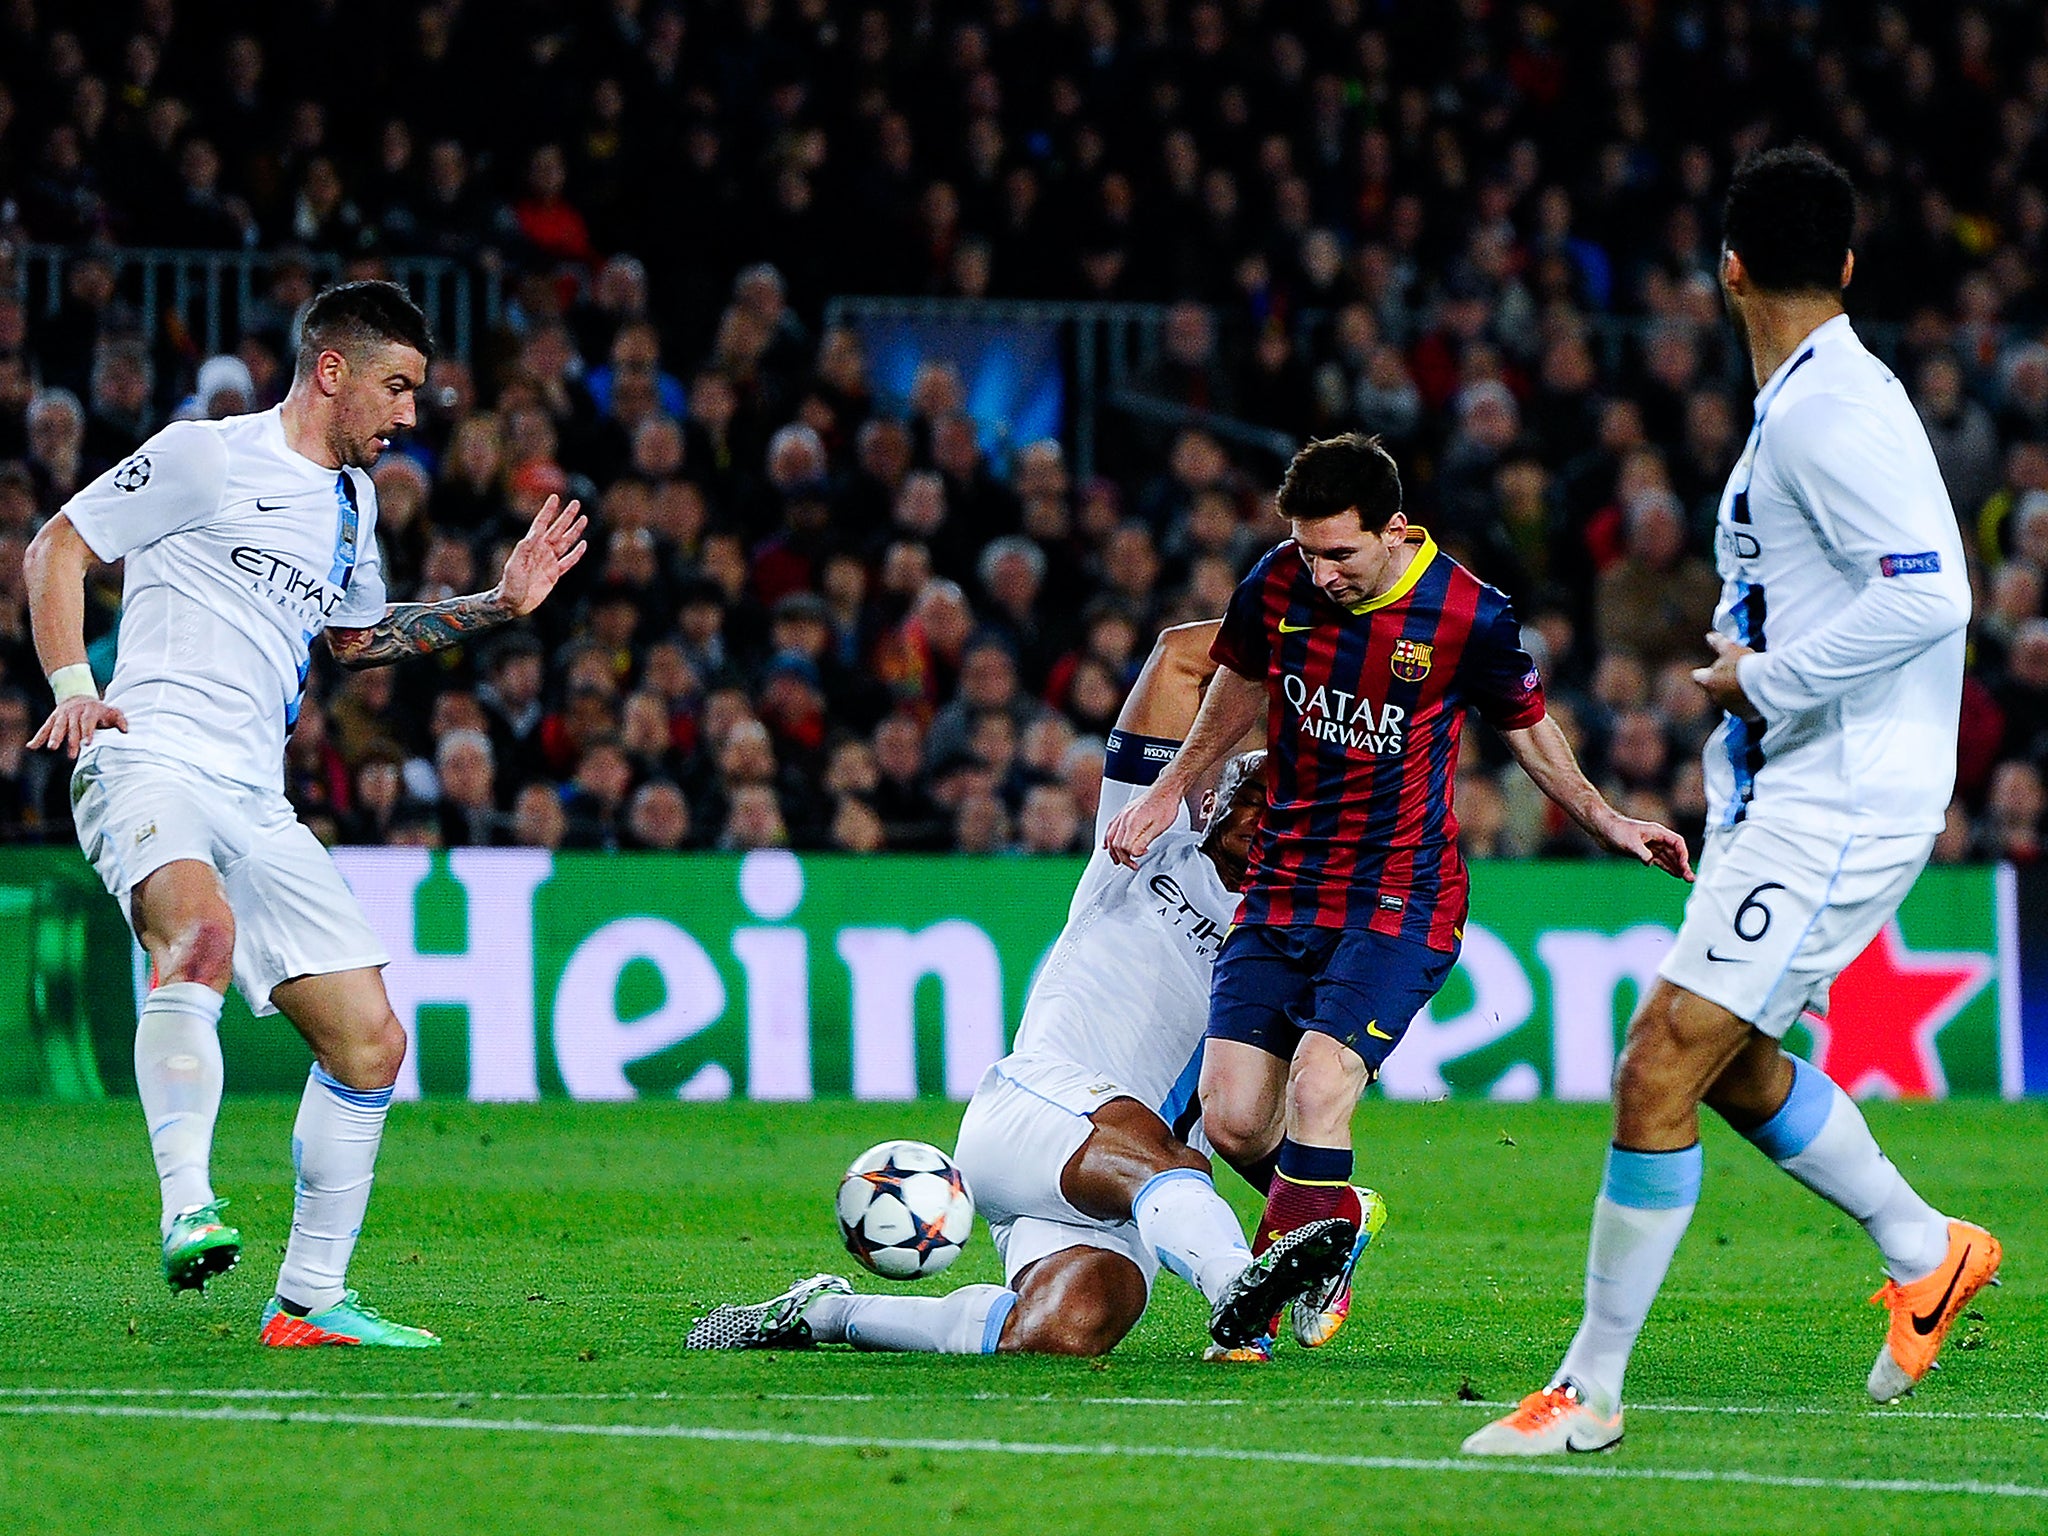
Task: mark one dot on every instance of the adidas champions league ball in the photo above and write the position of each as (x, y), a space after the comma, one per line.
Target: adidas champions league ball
(904, 1210)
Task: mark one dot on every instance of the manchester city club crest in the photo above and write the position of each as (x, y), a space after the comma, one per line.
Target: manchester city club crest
(1410, 661)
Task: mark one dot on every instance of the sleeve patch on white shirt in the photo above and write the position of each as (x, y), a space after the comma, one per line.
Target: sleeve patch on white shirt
(1927, 563)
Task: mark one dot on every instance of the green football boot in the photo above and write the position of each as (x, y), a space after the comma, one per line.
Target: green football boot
(199, 1246)
(347, 1322)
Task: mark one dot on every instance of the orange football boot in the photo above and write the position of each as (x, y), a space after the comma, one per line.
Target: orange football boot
(1923, 1310)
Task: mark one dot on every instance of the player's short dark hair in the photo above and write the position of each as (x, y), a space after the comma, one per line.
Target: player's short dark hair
(1790, 215)
(353, 318)
(1336, 474)
(1247, 768)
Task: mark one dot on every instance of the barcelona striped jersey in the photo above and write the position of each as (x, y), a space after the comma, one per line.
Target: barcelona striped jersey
(1365, 707)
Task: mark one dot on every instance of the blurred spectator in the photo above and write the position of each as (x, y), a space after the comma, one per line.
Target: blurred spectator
(467, 770)
(1049, 821)
(538, 820)
(225, 388)
(123, 379)
(753, 820)
(1961, 430)
(657, 818)
(1657, 600)
(2012, 815)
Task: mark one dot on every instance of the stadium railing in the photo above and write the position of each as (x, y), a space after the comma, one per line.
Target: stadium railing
(213, 295)
(1176, 417)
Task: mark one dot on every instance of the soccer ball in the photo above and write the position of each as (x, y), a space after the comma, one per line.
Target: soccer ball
(904, 1210)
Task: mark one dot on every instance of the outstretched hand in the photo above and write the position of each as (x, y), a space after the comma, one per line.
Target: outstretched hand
(551, 547)
(1648, 842)
(72, 723)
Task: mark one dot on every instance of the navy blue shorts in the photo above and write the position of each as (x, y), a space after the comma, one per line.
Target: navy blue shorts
(1360, 988)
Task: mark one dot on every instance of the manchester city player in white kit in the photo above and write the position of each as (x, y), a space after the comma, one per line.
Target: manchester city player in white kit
(245, 540)
(1076, 1144)
(1839, 662)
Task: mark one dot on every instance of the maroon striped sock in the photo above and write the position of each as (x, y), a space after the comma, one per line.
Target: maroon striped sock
(1312, 1184)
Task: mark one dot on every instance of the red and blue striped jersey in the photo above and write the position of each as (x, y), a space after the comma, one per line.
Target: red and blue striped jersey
(1364, 710)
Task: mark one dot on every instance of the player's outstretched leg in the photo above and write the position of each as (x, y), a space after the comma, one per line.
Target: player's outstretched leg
(968, 1321)
(178, 1076)
(1820, 1138)
(777, 1323)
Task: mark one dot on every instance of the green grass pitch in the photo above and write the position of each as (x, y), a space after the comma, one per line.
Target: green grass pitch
(562, 1250)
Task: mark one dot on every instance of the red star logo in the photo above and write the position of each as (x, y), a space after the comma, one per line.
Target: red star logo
(1892, 1003)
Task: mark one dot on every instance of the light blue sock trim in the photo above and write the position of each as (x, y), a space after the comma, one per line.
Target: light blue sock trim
(362, 1098)
(1805, 1110)
(1174, 1265)
(1171, 1261)
(992, 1330)
(1654, 1181)
(1158, 1179)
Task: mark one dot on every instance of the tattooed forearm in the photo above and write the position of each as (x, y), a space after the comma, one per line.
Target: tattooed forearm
(418, 629)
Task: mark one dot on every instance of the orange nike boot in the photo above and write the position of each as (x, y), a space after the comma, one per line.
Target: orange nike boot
(1922, 1310)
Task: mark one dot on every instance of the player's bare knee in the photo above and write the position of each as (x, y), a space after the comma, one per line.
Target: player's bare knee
(388, 1044)
(203, 951)
(1647, 1074)
(1089, 1323)
(1067, 1323)
(371, 1057)
(1322, 1092)
(1240, 1132)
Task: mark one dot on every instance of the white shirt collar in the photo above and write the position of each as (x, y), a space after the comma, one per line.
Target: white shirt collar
(1826, 330)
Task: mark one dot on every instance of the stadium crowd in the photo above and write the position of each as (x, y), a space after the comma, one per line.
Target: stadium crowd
(820, 617)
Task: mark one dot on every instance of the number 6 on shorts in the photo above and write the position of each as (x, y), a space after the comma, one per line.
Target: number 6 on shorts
(1778, 911)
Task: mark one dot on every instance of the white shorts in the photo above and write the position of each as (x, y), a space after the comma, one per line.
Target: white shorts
(1777, 912)
(294, 916)
(1027, 1119)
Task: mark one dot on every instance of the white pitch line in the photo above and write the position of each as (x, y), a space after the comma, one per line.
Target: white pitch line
(696, 1432)
(1871, 1415)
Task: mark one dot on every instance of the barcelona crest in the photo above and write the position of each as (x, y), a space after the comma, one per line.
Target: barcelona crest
(1410, 661)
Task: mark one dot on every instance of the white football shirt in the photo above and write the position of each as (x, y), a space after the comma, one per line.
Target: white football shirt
(1842, 566)
(1125, 990)
(239, 552)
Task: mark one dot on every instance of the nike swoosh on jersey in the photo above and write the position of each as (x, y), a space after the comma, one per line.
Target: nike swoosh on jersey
(1725, 959)
(1926, 1325)
(1376, 1032)
(1293, 629)
(264, 506)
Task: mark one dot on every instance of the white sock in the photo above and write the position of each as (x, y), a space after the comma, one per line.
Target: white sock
(1646, 1200)
(334, 1148)
(1821, 1138)
(1181, 1218)
(968, 1321)
(178, 1075)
